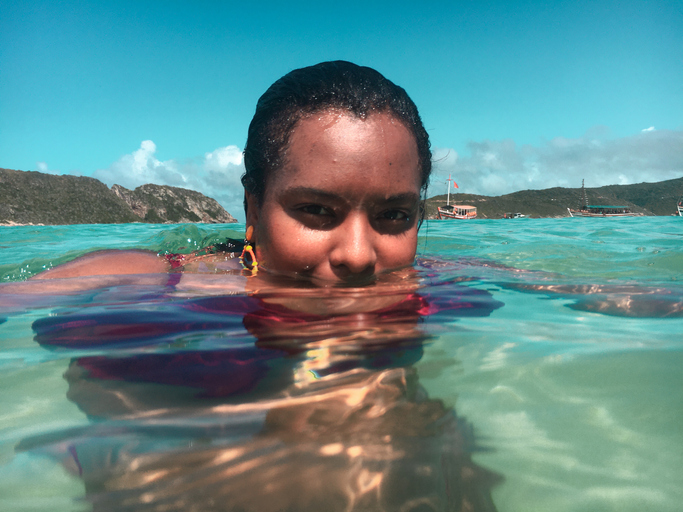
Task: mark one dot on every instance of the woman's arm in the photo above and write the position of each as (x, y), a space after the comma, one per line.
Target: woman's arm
(109, 263)
(95, 270)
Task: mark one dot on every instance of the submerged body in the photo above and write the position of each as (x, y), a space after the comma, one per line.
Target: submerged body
(270, 400)
(169, 397)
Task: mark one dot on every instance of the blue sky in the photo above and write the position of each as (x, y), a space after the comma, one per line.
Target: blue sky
(515, 95)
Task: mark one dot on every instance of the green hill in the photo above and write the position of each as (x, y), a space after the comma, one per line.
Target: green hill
(648, 198)
(38, 198)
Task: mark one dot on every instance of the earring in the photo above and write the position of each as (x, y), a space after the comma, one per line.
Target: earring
(251, 264)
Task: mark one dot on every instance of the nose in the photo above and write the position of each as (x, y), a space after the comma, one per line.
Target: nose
(354, 254)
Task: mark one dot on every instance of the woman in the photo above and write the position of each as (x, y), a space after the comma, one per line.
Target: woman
(336, 161)
(303, 399)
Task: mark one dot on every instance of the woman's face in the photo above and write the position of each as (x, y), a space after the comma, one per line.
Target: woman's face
(344, 206)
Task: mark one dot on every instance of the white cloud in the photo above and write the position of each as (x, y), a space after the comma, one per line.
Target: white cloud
(43, 167)
(222, 157)
(501, 167)
(650, 129)
(216, 175)
(492, 167)
(141, 167)
(444, 157)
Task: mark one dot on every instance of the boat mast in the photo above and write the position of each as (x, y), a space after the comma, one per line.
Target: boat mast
(584, 197)
(448, 199)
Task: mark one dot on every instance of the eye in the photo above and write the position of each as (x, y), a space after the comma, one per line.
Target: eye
(394, 221)
(316, 216)
(316, 209)
(395, 215)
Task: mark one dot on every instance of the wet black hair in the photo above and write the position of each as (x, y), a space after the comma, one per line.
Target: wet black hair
(335, 85)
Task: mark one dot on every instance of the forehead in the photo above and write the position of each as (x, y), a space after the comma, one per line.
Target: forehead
(339, 146)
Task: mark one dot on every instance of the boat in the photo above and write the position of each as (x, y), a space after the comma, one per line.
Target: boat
(455, 211)
(592, 210)
(514, 216)
(603, 211)
(679, 206)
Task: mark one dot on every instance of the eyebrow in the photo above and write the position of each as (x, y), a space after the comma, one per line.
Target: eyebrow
(397, 198)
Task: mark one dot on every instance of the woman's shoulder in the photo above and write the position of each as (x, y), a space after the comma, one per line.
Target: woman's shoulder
(109, 262)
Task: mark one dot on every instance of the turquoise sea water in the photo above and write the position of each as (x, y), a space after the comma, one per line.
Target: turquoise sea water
(535, 361)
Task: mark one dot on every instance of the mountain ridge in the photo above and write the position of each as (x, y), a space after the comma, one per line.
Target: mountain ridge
(657, 198)
(32, 197)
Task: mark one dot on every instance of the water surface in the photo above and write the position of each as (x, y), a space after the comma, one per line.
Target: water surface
(526, 364)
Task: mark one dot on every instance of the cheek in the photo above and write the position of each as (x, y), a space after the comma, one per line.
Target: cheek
(399, 251)
(282, 245)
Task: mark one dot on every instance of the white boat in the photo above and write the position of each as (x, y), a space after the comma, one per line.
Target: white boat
(679, 206)
(603, 211)
(455, 211)
(514, 216)
(592, 210)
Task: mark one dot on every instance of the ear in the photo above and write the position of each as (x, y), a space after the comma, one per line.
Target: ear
(253, 211)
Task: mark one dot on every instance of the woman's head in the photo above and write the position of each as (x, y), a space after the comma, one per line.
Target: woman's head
(336, 161)
(340, 86)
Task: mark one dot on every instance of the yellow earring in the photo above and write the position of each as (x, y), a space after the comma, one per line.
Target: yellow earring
(248, 249)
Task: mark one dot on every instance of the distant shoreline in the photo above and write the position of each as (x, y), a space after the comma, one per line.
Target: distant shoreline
(5, 223)
(35, 198)
(10, 223)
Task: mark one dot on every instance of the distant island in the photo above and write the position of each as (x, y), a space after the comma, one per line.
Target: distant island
(648, 198)
(30, 197)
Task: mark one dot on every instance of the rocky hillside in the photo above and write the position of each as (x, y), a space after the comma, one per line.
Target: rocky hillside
(648, 198)
(162, 204)
(38, 198)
